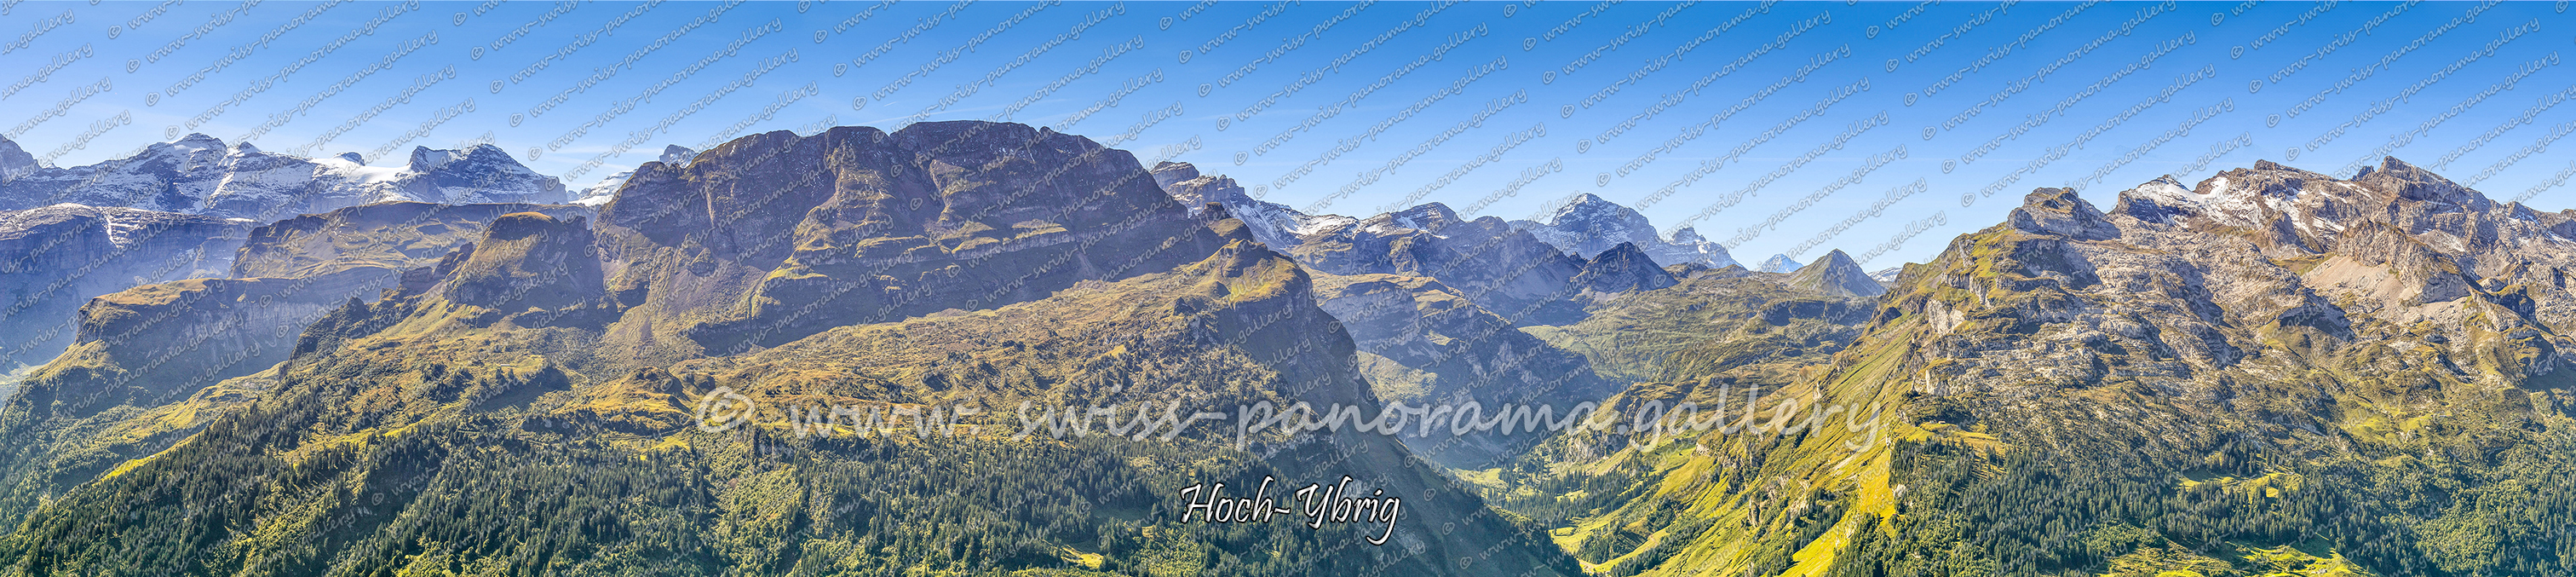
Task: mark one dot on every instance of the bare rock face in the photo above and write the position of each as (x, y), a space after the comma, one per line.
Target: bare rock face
(157, 343)
(528, 260)
(53, 259)
(2059, 212)
(606, 189)
(787, 235)
(64, 255)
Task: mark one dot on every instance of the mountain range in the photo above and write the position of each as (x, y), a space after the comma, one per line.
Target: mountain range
(2266, 372)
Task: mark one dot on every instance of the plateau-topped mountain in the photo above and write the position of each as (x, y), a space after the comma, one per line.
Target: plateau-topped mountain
(961, 281)
(1590, 224)
(202, 175)
(2272, 371)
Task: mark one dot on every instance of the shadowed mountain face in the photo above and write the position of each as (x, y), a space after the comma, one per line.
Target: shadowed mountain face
(2272, 369)
(540, 380)
(53, 259)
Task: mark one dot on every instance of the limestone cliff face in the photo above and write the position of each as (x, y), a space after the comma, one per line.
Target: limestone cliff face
(527, 260)
(773, 237)
(53, 259)
(154, 344)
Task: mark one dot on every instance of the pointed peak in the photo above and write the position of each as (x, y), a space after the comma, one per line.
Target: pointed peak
(1623, 268)
(1836, 274)
(1779, 263)
(2169, 180)
(1835, 259)
(1587, 207)
(194, 141)
(1688, 235)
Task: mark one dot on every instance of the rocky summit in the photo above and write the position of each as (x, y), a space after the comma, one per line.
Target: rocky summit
(1779, 263)
(1589, 225)
(1836, 274)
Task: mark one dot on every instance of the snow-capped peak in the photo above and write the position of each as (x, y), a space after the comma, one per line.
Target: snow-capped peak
(200, 174)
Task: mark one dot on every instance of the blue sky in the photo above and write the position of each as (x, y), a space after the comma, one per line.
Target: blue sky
(1769, 127)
